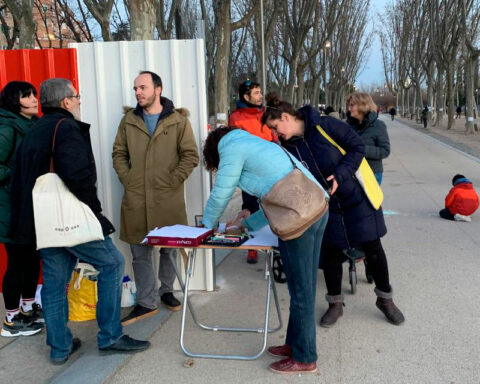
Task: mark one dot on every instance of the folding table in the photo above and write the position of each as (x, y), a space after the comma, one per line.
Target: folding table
(190, 266)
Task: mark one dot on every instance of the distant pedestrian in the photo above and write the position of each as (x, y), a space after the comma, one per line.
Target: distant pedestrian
(373, 131)
(392, 112)
(459, 112)
(462, 200)
(425, 116)
(330, 111)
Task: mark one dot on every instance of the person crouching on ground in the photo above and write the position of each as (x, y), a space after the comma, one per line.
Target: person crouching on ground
(256, 165)
(462, 200)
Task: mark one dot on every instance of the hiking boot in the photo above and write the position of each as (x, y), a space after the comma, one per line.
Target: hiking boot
(76, 343)
(252, 257)
(138, 313)
(280, 351)
(20, 326)
(171, 302)
(290, 366)
(35, 314)
(389, 309)
(334, 311)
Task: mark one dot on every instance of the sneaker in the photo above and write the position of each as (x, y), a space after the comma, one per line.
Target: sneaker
(126, 344)
(292, 367)
(280, 351)
(20, 326)
(171, 302)
(459, 217)
(138, 313)
(35, 314)
(252, 257)
(76, 343)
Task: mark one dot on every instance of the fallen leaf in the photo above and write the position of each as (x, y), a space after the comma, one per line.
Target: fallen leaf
(188, 363)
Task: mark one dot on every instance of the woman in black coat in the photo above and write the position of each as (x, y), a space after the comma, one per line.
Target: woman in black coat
(353, 222)
(363, 118)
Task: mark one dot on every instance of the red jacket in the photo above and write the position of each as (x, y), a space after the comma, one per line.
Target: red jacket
(462, 199)
(250, 120)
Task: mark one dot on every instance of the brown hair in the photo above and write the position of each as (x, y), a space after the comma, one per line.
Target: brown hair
(275, 107)
(211, 157)
(363, 101)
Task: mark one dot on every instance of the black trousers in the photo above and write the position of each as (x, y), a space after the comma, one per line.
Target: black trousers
(21, 276)
(333, 259)
(446, 214)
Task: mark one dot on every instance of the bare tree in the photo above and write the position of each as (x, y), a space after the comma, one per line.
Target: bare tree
(101, 10)
(22, 12)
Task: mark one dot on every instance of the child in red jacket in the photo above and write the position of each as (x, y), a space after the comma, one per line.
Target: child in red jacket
(462, 200)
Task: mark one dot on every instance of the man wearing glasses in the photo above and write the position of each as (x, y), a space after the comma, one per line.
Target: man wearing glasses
(75, 165)
(248, 116)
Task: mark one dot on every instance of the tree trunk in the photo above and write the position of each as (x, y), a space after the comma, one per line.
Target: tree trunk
(301, 87)
(142, 19)
(418, 90)
(439, 98)
(316, 92)
(224, 34)
(291, 76)
(470, 99)
(450, 97)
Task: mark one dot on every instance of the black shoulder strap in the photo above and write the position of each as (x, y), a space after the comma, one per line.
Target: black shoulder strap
(291, 160)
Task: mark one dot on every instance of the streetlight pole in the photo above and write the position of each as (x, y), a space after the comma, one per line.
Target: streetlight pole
(326, 46)
(264, 77)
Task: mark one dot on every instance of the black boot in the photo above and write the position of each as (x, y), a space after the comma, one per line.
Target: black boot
(387, 306)
(334, 311)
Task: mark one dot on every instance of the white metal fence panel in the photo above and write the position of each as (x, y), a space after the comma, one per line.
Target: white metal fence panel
(106, 72)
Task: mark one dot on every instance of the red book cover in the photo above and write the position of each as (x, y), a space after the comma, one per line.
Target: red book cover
(180, 236)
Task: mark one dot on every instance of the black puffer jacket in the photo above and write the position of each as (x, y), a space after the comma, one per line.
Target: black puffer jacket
(73, 162)
(352, 220)
(375, 137)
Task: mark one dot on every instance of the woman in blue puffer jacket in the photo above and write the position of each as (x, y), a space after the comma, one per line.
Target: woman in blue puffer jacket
(255, 165)
(353, 222)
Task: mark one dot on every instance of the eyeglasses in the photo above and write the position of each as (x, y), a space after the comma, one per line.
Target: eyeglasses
(75, 96)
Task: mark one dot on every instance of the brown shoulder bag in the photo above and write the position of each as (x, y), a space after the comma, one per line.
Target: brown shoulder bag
(293, 204)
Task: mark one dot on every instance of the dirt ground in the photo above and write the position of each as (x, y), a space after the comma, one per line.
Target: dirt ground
(456, 137)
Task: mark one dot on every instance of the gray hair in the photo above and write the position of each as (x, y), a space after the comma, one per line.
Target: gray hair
(53, 91)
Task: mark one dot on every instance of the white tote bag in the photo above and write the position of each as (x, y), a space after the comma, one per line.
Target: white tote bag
(61, 220)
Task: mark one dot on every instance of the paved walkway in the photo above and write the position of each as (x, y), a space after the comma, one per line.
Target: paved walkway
(435, 272)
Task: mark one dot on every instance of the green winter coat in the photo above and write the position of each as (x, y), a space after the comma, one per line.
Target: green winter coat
(13, 128)
(153, 170)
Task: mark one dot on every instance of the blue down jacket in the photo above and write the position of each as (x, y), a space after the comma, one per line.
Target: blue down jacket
(352, 219)
(254, 165)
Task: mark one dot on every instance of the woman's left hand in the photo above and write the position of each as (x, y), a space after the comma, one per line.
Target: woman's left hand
(334, 186)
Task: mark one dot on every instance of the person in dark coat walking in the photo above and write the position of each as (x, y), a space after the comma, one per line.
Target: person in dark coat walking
(353, 222)
(74, 163)
(364, 120)
(392, 113)
(425, 117)
(18, 112)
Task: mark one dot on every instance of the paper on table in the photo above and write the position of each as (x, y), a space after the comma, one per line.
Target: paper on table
(263, 237)
(177, 231)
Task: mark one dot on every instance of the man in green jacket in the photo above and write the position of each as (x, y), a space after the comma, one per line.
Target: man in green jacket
(153, 154)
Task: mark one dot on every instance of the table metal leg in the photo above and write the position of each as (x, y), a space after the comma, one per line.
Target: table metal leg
(186, 302)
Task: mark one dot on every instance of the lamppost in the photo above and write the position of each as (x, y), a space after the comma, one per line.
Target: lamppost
(327, 45)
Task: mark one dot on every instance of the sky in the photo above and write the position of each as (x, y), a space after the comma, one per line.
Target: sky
(373, 70)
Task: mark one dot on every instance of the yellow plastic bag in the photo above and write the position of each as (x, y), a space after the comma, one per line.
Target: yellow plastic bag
(82, 301)
(364, 175)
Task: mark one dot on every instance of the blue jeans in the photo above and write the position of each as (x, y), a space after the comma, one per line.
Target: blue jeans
(379, 177)
(58, 264)
(300, 258)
